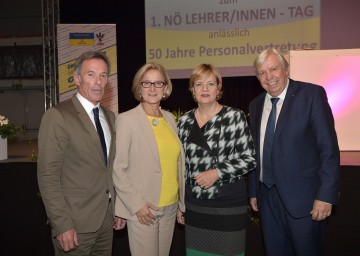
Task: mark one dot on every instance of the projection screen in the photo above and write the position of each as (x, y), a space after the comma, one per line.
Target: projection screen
(227, 33)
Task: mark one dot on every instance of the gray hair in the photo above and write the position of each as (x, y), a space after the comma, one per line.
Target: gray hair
(260, 59)
(89, 56)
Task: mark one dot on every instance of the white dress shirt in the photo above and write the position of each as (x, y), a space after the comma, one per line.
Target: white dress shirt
(88, 106)
(264, 118)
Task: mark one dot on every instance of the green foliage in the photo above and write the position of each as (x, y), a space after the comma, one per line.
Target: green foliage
(8, 131)
(177, 114)
(254, 216)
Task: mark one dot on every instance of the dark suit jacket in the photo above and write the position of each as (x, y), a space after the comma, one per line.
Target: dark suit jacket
(305, 154)
(73, 179)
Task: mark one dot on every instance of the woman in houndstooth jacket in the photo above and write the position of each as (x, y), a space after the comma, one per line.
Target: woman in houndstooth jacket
(219, 151)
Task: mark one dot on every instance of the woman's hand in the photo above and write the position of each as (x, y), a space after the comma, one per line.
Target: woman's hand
(180, 216)
(253, 203)
(119, 223)
(145, 216)
(206, 179)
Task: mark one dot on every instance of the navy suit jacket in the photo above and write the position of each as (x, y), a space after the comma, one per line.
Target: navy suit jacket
(305, 155)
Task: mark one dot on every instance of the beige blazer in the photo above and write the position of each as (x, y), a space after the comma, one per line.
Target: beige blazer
(137, 172)
(73, 179)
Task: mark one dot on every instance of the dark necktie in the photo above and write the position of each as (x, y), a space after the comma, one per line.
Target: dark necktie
(100, 132)
(268, 179)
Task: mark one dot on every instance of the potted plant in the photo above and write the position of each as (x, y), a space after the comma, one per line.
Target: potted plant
(8, 131)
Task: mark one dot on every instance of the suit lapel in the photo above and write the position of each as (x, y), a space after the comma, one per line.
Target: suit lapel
(286, 108)
(112, 131)
(257, 120)
(147, 132)
(255, 125)
(88, 125)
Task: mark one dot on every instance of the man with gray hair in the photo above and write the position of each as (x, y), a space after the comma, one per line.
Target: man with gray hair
(296, 181)
(75, 163)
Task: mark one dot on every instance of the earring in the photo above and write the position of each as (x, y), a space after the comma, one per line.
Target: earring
(164, 96)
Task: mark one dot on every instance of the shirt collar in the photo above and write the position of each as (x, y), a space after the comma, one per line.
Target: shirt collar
(282, 95)
(88, 106)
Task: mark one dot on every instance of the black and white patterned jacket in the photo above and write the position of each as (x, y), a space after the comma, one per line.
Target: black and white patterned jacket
(230, 149)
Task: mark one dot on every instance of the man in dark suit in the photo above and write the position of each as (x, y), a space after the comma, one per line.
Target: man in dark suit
(75, 164)
(296, 181)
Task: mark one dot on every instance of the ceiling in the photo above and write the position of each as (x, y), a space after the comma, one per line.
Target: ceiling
(20, 18)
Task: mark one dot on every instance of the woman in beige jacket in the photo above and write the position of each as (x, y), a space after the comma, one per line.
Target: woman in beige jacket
(149, 165)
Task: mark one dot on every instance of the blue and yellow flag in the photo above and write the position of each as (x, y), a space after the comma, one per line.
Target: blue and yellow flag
(81, 39)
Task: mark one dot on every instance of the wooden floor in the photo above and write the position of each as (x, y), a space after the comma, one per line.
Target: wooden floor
(26, 151)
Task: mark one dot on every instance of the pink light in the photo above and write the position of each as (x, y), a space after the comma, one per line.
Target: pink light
(342, 86)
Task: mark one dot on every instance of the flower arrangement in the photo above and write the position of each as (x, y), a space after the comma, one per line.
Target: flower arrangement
(7, 129)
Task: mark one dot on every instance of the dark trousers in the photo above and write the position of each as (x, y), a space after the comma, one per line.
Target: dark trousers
(285, 235)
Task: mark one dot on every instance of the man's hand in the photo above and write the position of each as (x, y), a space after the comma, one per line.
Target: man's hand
(68, 240)
(145, 216)
(321, 210)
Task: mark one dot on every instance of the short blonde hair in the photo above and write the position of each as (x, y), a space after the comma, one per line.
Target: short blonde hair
(136, 86)
(205, 70)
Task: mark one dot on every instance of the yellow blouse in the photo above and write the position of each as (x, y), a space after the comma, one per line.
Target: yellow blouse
(169, 151)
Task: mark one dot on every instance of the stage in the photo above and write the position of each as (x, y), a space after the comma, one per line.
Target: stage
(23, 217)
